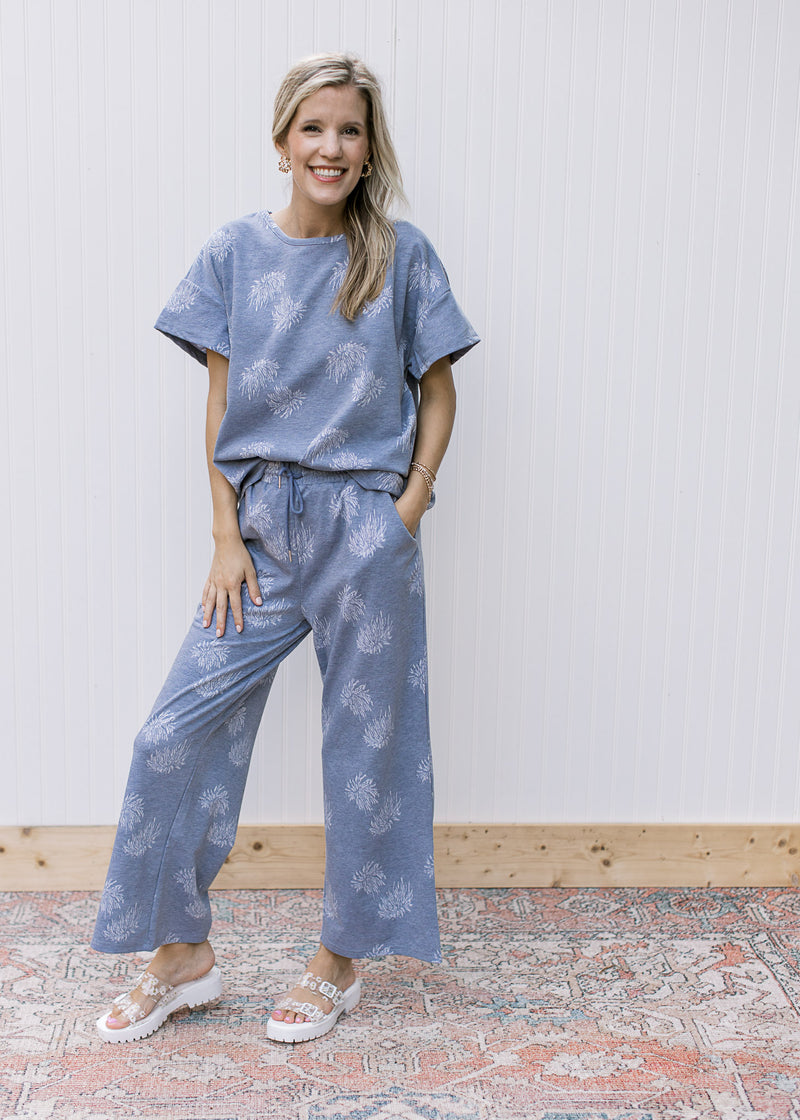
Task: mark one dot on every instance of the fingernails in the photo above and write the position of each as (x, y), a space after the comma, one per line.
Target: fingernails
(219, 632)
(238, 628)
(259, 601)
(206, 622)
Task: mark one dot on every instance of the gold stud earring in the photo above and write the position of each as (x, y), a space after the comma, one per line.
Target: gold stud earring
(367, 170)
(285, 164)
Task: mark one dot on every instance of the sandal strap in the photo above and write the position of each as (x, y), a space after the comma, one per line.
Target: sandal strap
(324, 987)
(148, 985)
(310, 1010)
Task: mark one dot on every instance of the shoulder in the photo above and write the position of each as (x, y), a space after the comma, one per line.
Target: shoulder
(411, 240)
(416, 262)
(231, 236)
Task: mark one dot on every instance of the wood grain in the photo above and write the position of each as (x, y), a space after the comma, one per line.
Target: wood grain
(468, 855)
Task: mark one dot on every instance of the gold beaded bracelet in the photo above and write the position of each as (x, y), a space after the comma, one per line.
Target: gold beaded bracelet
(427, 474)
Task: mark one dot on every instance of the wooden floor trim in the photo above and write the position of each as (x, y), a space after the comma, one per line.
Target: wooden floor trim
(468, 855)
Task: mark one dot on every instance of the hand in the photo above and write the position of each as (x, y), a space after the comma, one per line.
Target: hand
(411, 506)
(231, 567)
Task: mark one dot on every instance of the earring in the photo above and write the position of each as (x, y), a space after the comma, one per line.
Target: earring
(285, 165)
(367, 170)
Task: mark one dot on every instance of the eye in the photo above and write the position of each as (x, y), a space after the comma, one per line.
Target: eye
(310, 128)
(352, 131)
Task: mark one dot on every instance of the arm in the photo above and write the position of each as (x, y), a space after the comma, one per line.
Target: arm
(435, 415)
(232, 564)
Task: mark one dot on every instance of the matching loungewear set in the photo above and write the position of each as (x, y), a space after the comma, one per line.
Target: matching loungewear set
(317, 440)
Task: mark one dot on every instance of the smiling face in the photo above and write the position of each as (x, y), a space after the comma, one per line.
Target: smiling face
(328, 143)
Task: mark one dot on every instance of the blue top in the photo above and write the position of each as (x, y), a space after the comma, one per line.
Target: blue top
(305, 385)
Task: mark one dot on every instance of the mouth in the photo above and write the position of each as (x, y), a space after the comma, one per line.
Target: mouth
(329, 174)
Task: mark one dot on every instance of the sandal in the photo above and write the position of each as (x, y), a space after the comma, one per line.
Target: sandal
(317, 1023)
(195, 993)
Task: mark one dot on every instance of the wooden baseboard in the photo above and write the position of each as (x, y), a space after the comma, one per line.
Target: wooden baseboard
(469, 855)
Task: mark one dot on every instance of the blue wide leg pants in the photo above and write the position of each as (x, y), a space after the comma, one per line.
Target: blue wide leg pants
(334, 559)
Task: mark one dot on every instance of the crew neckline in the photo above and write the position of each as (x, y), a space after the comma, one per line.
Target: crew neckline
(276, 229)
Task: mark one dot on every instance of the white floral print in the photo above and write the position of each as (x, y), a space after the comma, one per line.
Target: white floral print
(214, 686)
(337, 275)
(286, 313)
(302, 543)
(363, 791)
(219, 244)
(367, 387)
(239, 753)
(283, 401)
(370, 535)
(159, 727)
(124, 925)
(425, 770)
(375, 635)
(142, 841)
(369, 879)
(344, 360)
(215, 801)
(416, 583)
(356, 697)
(421, 277)
(183, 297)
(113, 897)
(132, 811)
(345, 503)
(322, 632)
(269, 285)
(351, 605)
(236, 722)
(418, 675)
(210, 655)
(327, 440)
(398, 901)
(375, 306)
(168, 758)
(222, 833)
(258, 376)
(388, 814)
(378, 731)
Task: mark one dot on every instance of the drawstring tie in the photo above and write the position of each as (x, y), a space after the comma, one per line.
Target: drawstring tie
(295, 502)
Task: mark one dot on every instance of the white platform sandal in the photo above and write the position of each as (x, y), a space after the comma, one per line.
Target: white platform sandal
(195, 993)
(318, 1022)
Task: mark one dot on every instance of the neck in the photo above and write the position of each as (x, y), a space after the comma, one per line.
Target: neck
(301, 221)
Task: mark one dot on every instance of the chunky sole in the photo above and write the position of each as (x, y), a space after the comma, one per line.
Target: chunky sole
(195, 993)
(279, 1031)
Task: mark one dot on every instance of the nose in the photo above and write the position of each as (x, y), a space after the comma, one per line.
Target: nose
(331, 145)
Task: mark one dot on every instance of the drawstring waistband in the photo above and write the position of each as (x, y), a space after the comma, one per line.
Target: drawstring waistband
(295, 500)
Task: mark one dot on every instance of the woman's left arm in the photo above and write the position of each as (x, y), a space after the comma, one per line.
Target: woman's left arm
(435, 415)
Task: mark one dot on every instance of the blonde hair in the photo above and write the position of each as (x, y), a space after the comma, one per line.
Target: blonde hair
(370, 233)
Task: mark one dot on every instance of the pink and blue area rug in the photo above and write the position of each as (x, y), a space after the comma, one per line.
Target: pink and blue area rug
(554, 1004)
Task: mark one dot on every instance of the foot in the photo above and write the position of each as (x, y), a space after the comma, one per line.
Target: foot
(329, 966)
(171, 965)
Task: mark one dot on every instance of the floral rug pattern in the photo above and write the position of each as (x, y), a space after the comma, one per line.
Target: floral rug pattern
(552, 1004)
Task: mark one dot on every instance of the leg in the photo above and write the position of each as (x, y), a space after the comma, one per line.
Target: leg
(366, 602)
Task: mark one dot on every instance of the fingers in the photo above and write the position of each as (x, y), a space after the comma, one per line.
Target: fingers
(253, 590)
(222, 610)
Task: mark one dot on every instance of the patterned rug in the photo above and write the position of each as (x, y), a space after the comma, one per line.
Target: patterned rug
(554, 1004)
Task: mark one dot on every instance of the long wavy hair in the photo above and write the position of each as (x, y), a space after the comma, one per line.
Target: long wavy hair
(368, 228)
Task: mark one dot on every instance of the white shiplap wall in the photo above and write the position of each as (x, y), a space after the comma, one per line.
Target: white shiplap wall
(613, 562)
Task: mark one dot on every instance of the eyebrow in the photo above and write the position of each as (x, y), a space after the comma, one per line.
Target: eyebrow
(345, 124)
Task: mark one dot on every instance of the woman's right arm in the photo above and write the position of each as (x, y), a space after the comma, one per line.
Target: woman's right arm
(232, 564)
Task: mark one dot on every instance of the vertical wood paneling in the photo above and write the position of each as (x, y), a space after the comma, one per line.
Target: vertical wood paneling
(613, 563)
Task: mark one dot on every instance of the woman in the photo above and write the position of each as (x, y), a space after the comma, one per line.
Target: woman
(328, 332)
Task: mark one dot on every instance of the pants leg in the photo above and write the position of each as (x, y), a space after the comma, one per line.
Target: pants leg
(363, 590)
(190, 760)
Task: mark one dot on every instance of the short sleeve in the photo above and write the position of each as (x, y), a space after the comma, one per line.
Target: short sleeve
(196, 316)
(433, 323)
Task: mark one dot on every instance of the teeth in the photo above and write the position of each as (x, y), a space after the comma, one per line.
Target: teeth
(328, 172)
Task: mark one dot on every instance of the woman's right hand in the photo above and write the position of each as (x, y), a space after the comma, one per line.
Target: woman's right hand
(231, 567)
